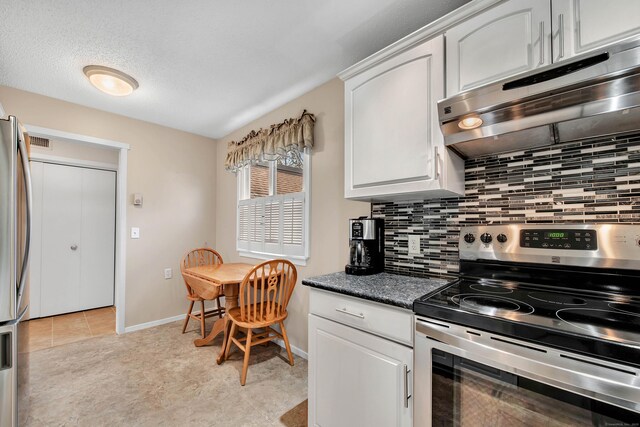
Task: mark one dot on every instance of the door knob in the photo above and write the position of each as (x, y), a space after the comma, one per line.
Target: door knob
(74, 247)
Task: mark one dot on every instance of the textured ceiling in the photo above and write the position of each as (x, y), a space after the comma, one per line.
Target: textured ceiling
(204, 66)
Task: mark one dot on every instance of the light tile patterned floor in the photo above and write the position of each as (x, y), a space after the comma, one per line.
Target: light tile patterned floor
(157, 377)
(67, 328)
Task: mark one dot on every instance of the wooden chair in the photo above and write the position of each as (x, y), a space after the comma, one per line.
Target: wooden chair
(264, 296)
(195, 258)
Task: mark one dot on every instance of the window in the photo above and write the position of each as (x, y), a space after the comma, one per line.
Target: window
(273, 206)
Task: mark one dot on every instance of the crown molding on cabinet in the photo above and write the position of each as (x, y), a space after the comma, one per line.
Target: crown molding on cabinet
(428, 31)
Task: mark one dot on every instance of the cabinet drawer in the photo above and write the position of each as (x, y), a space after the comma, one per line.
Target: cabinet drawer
(383, 320)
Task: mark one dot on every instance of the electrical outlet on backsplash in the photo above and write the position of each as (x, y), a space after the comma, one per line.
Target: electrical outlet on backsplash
(595, 180)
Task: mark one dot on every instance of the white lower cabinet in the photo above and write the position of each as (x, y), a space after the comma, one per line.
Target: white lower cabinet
(357, 378)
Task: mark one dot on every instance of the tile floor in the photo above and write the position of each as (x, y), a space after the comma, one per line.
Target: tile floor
(157, 377)
(67, 328)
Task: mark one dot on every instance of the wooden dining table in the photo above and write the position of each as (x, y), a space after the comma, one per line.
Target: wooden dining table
(205, 281)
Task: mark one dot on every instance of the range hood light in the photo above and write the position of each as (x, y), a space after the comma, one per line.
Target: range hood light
(470, 123)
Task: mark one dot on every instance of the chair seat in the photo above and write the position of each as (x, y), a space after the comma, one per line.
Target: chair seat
(234, 314)
(194, 298)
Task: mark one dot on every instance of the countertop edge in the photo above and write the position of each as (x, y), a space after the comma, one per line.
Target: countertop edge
(364, 296)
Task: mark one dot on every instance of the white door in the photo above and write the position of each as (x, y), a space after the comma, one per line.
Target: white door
(78, 239)
(508, 39)
(97, 250)
(357, 379)
(580, 26)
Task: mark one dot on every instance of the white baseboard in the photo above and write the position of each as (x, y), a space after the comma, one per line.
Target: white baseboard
(153, 323)
(295, 350)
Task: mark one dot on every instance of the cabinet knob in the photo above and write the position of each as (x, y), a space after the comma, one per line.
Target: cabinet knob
(74, 247)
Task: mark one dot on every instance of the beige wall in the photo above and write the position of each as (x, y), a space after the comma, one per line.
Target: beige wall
(175, 172)
(329, 210)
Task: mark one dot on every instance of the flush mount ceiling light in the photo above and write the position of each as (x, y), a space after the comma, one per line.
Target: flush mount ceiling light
(109, 80)
(471, 122)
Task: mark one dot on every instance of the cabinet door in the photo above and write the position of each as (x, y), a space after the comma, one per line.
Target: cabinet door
(580, 26)
(391, 127)
(508, 39)
(357, 379)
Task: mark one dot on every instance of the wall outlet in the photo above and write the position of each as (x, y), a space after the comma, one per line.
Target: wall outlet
(168, 273)
(414, 244)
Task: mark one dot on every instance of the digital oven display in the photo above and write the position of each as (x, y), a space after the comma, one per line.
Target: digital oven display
(559, 239)
(556, 235)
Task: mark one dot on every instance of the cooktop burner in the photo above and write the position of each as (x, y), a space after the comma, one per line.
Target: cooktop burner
(628, 308)
(556, 298)
(491, 305)
(492, 289)
(609, 324)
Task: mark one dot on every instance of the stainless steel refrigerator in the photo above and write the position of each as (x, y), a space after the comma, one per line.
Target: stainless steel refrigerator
(15, 230)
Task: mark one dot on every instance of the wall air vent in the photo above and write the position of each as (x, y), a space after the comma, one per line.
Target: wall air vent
(40, 142)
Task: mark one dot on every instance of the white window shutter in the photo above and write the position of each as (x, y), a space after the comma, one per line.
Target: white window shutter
(293, 224)
(272, 222)
(243, 225)
(256, 229)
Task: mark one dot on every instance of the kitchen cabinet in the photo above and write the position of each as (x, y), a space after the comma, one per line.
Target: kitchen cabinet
(521, 35)
(505, 40)
(393, 145)
(581, 26)
(356, 376)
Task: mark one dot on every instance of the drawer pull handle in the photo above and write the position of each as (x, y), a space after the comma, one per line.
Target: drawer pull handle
(344, 311)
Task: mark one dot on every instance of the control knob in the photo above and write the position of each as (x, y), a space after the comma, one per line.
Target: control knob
(502, 238)
(486, 238)
(469, 238)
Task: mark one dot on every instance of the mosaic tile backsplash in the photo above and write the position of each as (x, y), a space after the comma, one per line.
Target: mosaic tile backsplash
(586, 181)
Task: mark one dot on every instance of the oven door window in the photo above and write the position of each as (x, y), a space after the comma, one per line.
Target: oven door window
(467, 393)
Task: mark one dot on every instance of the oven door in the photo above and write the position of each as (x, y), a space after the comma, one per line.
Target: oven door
(466, 377)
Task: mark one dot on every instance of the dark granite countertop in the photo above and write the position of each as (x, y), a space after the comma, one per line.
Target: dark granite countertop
(385, 288)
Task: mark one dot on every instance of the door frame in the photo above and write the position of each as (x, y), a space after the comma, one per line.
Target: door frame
(121, 201)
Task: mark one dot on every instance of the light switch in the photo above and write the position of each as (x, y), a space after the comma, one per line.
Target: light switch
(168, 273)
(135, 232)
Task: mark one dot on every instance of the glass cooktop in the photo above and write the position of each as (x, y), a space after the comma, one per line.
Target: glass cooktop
(591, 323)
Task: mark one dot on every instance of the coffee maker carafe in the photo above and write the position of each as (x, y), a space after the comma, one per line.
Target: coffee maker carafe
(366, 246)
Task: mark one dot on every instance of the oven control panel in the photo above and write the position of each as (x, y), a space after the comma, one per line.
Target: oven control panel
(559, 239)
(587, 245)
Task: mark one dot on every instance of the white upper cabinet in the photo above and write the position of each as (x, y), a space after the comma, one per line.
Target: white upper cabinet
(584, 25)
(521, 35)
(393, 143)
(508, 39)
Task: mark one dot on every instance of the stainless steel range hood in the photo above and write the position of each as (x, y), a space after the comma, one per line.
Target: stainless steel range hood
(587, 96)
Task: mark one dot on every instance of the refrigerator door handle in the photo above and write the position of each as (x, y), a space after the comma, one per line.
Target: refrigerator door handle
(17, 319)
(22, 147)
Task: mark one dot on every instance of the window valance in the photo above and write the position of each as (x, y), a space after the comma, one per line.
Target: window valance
(272, 143)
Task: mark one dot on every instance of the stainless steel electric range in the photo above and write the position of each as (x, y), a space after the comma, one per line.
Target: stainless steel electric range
(541, 328)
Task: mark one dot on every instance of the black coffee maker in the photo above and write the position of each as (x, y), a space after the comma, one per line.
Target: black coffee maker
(366, 246)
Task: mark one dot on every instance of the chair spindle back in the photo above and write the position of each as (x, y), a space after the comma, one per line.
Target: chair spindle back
(266, 290)
(199, 257)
